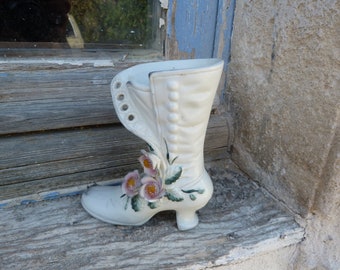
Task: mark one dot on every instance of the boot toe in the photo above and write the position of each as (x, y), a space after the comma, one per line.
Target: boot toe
(97, 201)
(107, 204)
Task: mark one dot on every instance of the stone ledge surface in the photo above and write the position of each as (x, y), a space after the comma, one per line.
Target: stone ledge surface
(238, 223)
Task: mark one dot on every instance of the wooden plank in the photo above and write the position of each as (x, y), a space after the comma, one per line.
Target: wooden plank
(25, 149)
(84, 174)
(30, 189)
(56, 99)
(36, 162)
(56, 169)
(19, 80)
(238, 223)
(53, 100)
(27, 58)
(58, 113)
(45, 147)
(53, 96)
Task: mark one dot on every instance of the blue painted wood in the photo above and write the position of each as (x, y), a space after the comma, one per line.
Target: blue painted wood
(202, 28)
(3, 205)
(224, 30)
(194, 26)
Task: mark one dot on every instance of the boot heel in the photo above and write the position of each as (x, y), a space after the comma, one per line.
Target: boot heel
(186, 219)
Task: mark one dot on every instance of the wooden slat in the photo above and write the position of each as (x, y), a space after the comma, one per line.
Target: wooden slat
(32, 163)
(49, 55)
(43, 100)
(19, 80)
(96, 172)
(53, 96)
(31, 188)
(239, 222)
(47, 114)
(25, 149)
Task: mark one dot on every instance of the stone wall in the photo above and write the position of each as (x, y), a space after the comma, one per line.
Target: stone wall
(283, 80)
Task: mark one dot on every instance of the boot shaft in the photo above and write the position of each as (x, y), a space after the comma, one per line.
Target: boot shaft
(182, 102)
(168, 104)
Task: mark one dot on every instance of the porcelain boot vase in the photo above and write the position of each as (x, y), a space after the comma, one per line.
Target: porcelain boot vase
(167, 104)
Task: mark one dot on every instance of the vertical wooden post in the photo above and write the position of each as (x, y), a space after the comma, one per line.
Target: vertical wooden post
(224, 29)
(199, 29)
(191, 29)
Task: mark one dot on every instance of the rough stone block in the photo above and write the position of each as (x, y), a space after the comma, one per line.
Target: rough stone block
(283, 79)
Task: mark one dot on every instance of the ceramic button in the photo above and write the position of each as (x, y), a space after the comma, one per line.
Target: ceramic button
(174, 96)
(173, 85)
(173, 138)
(173, 106)
(172, 128)
(173, 148)
(173, 117)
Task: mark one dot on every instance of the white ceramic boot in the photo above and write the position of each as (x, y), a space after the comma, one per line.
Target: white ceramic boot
(167, 104)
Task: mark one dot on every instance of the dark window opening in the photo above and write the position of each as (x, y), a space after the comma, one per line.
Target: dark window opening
(79, 24)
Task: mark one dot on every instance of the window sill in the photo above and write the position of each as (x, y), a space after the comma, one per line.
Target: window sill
(239, 222)
(43, 58)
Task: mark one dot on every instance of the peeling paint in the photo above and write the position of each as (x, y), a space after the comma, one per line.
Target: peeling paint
(3, 205)
(164, 4)
(200, 29)
(25, 202)
(193, 24)
(224, 30)
(161, 22)
(51, 195)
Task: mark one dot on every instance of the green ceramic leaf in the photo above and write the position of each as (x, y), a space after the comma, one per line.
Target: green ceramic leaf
(150, 147)
(127, 202)
(135, 203)
(172, 162)
(199, 191)
(174, 178)
(167, 152)
(173, 197)
(192, 197)
(152, 205)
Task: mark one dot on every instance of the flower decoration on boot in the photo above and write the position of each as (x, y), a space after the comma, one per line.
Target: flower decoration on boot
(155, 183)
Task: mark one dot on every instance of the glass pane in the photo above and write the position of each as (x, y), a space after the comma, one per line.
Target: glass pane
(78, 23)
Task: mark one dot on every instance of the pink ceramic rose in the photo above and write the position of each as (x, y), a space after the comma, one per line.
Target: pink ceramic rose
(152, 189)
(150, 163)
(131, 184)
